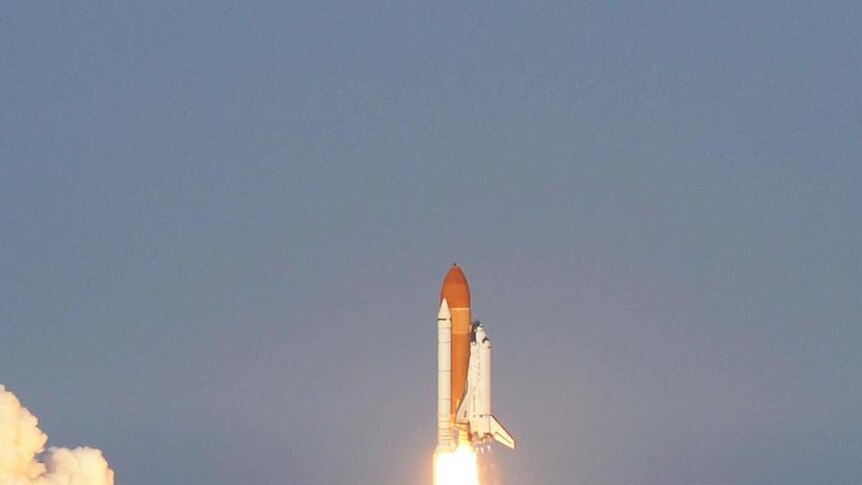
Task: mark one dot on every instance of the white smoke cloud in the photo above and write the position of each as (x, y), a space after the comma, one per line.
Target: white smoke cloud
(24, 460)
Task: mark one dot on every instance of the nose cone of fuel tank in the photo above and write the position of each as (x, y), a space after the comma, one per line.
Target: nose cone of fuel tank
(455, 290)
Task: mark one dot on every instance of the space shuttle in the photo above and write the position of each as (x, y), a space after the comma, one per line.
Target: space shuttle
(474, 414)
(464, 411)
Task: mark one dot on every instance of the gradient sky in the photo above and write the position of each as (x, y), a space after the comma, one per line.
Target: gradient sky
(223, 229)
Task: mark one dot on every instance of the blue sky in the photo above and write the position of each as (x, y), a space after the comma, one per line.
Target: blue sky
(223, 227)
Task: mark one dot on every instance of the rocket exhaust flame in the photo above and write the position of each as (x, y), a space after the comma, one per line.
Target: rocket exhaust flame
(459, 467)
(24, 461)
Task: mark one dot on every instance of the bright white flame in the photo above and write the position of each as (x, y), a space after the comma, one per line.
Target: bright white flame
(458, 467)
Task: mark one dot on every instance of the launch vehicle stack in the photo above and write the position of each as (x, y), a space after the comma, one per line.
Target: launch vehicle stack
(463, 372)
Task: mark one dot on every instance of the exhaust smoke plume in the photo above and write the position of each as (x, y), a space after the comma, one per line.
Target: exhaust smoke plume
(24, 460)
(489, 474)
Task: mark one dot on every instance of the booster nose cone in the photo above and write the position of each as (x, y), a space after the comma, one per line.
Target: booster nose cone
(455, 289)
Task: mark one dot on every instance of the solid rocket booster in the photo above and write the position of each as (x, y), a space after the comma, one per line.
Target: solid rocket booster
(463, 371)
(444, 378)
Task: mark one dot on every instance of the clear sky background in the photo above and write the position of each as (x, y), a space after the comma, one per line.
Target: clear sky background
(224, 226)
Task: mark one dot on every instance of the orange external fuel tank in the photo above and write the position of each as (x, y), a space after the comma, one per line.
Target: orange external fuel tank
(457, 293)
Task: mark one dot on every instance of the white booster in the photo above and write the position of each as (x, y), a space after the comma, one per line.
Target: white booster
(444, 378)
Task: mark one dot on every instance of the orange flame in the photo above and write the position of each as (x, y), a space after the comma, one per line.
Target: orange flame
(457, 467)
